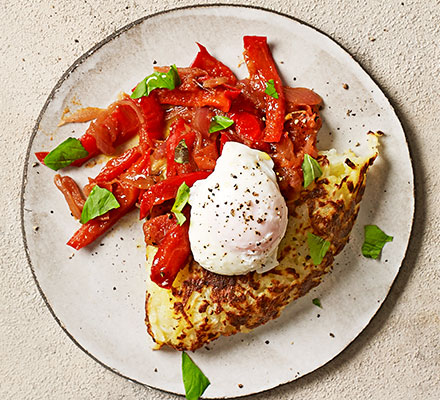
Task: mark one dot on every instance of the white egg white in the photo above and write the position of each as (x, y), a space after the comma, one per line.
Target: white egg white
(238, 215)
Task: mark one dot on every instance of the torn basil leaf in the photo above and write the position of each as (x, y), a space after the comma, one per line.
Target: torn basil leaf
(65, 154)
(194, 380)
(157, 80)
(218, 123)
(182, 197)
(317, 302)
(181, 154)
(374, 241)
(318, 247)
(311, 170)
(270, 89)
(100, 201)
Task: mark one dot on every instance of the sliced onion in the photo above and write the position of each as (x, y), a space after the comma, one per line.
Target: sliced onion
(82, 115)
(72, 193)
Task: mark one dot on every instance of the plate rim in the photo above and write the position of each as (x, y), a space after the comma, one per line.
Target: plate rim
(108, 39)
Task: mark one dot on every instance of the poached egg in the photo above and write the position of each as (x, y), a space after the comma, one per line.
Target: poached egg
(238, 215)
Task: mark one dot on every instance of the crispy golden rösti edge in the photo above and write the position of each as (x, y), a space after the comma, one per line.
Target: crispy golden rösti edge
(201, 305)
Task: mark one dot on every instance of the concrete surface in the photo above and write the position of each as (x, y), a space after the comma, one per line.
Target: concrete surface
(396, 357)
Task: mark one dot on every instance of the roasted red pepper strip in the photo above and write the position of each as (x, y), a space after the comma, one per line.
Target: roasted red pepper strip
(125, 194)
(118, 165)
(171, 256)
(212, 66)
(219, 97)
(167, 189)
(247, 125)
(179, 131)
(262, 68)
(41, 155)
(154, 115)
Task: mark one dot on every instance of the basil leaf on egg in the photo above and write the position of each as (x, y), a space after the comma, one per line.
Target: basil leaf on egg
(157, 80)
(218, 123)
(374, 241)
(317, 302)
(182, 197)
(65, 154)
(311, 170)
(194, 380)
(270, 89)
(181, 154)
(318, 247)
(100, 201)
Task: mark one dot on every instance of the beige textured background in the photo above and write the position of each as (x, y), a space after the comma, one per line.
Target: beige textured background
(396, 357)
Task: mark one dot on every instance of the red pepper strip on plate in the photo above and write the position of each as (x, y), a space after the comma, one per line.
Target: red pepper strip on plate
(179, 131)
(262, 68)
(118, 165)
(172, 254)
(154, 114)
(214, 67)
(125, 194)
(220, 98)
(167, 189)
(41, 155)
(247, 125)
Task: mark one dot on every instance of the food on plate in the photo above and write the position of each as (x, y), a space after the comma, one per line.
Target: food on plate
(242, 213)
(202, 305)
(238, 215)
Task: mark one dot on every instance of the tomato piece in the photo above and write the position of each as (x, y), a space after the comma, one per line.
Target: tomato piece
(262, 68)
(167, 189)
(214, 67)
(118, 165)
(247, 125)
(220, 98)
(171, 256)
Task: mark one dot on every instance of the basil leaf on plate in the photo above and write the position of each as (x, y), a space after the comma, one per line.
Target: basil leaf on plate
(181, 154)
(100, 201)
(194, 380)
(374, 241)
(317, 302)
(65, 154)
(157, 80)
(270, 89)
(182, 197)
(318, 247)
(218, 123)
(311, 170)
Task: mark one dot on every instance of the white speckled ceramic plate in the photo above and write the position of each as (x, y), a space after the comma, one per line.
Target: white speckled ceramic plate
(97, 294)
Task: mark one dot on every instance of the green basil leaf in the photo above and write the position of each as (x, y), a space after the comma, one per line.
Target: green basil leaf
(317, 302)
(318, 247)
(181, 154)
(100, 201)
(311, 170)
(374, 241)
(65, 154)
(270, 89)
(182, 197)
(157, 80)
(194, 380)
(218, 123)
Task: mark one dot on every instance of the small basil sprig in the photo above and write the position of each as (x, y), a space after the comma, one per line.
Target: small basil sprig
(270, 89)
(318, 247)
(317, 302)
(181, 154)
(194, 380)
(374, 241)
(182, 197)
(65, 154)
(100, 201)
(311, 170)
(157, 80)
(218, 123)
